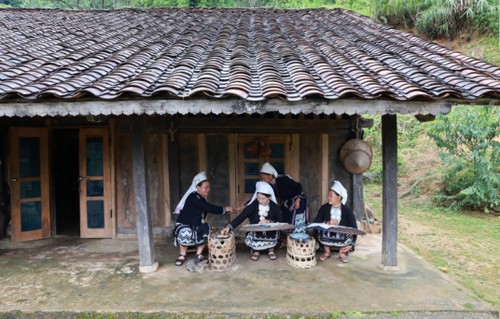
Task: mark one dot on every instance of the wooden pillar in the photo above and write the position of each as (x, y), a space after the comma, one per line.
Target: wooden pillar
(142, 215)
(174, 167)
(389, 193)
(358, 203)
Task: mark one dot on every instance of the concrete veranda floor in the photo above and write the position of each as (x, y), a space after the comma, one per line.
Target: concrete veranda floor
(73, 274)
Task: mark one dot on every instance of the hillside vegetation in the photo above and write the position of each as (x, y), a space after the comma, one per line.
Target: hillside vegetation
(463, 243)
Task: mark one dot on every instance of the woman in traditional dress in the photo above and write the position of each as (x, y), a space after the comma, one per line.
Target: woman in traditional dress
(262, 209)
(290, 197)
(191, 228)
(335, 212)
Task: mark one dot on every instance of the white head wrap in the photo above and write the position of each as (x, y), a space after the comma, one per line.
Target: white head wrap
(269, 169)
(338, 188)
(200, 177)
(263, 188)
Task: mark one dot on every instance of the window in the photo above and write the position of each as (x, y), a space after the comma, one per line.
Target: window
(253, 151)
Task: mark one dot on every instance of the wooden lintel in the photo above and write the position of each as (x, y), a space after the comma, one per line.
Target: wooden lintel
(260, 125)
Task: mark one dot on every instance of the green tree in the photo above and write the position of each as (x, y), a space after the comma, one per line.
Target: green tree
(469, 140)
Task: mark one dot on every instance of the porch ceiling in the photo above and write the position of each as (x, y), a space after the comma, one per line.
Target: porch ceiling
(167, 61)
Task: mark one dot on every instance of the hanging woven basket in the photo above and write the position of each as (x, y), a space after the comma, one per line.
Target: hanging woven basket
(356, 156)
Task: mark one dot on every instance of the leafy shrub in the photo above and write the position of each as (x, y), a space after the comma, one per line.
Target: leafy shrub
(438, 18)
(408, 128)
(469, 142)
(400, 13)
(447, 19)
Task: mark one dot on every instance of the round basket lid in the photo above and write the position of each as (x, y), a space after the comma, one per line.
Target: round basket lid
(356, 156)
(299, 236)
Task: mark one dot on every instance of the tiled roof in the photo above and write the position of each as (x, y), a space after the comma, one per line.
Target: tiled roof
(253, 54)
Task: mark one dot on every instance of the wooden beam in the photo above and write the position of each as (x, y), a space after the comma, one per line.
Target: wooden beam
(325, 174)
(112, 144)
(263, 125)
(143, 217)
(166, 181)
(358, 205)
(233, 159)
(202, 153)
(49, 108)
(295, 157)
(357, 197)
(389, 193)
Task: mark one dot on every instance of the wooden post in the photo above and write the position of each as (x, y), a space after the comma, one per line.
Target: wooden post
(358, 203)
(173, 167)
(389, 193)
(143, 217)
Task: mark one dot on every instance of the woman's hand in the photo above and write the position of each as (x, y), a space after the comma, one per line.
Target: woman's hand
(229, 209)
(265, 221)
(225, 230)
(297, 203)
(333, 222)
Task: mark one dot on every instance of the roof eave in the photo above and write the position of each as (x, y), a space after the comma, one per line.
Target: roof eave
(221, 106)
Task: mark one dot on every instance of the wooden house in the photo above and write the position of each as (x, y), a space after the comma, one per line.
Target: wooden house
(106, 116)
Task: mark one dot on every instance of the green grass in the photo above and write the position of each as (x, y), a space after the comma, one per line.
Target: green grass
(463, 243)
(491, 48)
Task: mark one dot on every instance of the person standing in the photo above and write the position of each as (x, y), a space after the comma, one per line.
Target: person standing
(191, 228)
(290, 197)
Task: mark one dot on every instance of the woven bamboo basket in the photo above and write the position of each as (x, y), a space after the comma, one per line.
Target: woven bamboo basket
(221, 252)
(301, 253)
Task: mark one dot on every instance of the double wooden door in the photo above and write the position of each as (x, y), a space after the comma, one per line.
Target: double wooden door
(31, 187)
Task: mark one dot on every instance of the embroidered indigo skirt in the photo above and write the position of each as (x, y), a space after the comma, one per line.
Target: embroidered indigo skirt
(332, 239)
(262, 240)
(187, 235)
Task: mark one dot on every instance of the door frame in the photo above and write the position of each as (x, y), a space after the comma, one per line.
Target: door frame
(47, 188)
(108, 230)
(45, 183)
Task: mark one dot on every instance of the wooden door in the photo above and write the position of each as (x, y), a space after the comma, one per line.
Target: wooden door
(96, 216)
(253, 151)
(30, 194)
